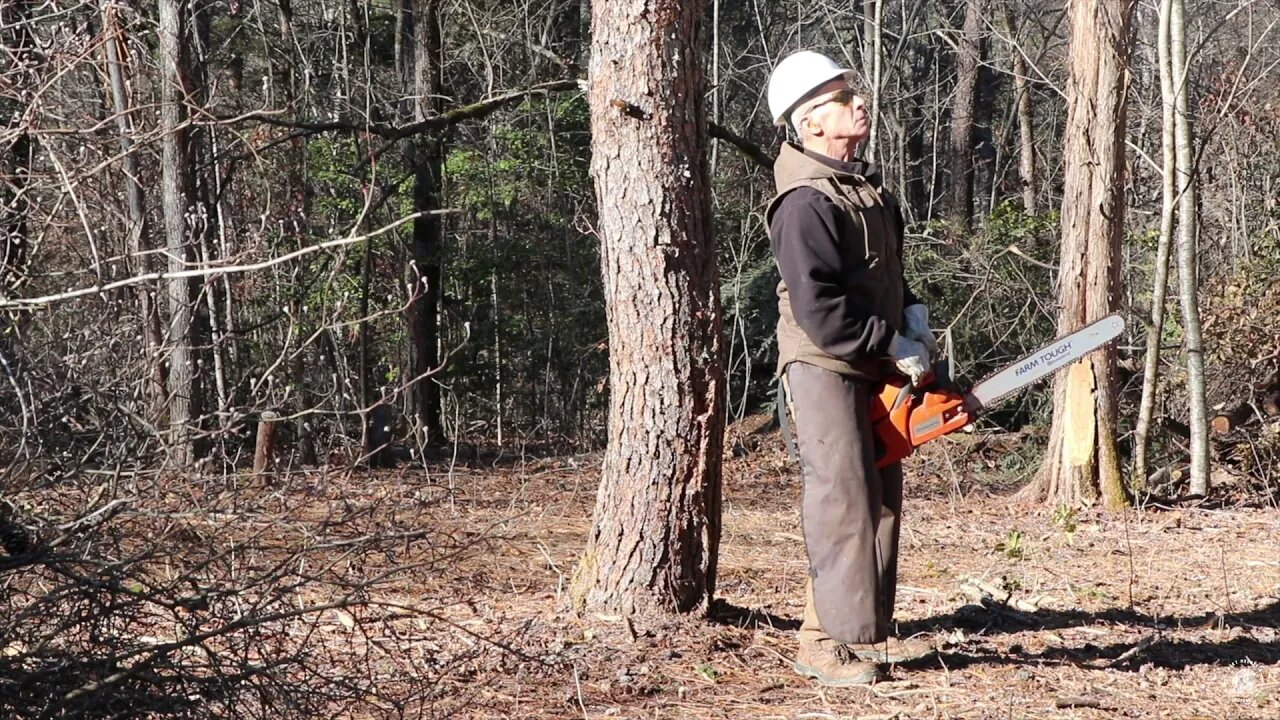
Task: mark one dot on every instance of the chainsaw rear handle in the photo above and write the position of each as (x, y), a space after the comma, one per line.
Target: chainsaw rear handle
(905, 416)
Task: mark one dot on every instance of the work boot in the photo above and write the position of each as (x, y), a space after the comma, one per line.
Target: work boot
(893, 650)
(834, 665)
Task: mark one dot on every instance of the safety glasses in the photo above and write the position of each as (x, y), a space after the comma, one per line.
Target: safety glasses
(839, 97)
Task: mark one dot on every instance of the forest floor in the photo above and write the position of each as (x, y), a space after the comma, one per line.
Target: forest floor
(1038, 613)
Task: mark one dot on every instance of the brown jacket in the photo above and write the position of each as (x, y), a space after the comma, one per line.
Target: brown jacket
(837, 238)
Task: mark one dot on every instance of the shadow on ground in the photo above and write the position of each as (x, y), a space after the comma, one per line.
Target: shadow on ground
(984, 621)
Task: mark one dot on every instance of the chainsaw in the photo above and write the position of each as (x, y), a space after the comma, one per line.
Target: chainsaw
(906, 416)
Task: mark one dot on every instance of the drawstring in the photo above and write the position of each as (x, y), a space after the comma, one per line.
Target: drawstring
(786, 415)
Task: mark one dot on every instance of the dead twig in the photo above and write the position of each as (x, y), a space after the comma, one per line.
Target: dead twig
(1075, 702)
(1136, 650)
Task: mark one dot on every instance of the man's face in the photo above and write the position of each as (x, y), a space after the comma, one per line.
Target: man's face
(837, 113)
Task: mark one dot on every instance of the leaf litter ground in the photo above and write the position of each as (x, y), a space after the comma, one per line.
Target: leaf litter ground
(1038, 612)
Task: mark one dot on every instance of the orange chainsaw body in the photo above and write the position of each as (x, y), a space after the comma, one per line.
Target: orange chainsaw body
(905, 417)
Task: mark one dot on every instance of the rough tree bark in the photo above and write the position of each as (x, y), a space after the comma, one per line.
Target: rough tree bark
(423, 274)
(656, 528)
(1151, 365)
(1082, 462)
(968, 59)
(1188, 259)
(178, 201)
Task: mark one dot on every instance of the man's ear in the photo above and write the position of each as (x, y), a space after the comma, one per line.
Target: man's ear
(815, 129)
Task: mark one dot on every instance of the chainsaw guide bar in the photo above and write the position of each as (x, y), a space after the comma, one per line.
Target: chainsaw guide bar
(1046, 360)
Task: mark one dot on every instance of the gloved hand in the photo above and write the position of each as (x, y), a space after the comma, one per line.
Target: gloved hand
(916, 319)
(910, 357)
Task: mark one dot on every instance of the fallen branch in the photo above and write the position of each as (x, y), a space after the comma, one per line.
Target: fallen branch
(1075, 702)
(995, 600)
(215, 270)
(1136, 650)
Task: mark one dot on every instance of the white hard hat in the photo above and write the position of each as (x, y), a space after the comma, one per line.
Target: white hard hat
(795, 77)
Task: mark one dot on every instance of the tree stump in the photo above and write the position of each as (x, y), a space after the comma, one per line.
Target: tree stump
(264, 449)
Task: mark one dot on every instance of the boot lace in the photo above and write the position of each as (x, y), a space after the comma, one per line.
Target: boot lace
(844, 654)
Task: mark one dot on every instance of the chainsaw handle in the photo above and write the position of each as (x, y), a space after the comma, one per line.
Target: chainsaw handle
(903, 395)
(905, 415)
(913, 388)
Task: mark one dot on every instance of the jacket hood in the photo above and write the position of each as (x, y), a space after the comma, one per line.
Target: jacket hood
(796, 165)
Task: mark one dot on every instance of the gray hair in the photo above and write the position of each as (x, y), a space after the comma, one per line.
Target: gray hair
(797, 116)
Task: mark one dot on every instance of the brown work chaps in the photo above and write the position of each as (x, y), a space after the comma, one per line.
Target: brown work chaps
(851, 510)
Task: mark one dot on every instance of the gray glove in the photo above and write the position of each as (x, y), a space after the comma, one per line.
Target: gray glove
(916, 319)
(910, 357)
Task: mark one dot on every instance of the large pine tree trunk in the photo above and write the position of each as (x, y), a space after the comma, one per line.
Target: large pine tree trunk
(657, 518)
(968, 58)
(177, 199)
(1082, 461)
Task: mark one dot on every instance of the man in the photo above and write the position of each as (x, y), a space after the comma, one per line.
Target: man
(847, 319)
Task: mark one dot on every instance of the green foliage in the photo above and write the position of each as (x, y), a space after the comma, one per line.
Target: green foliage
(1013, 546)
(1064, 517)
(521, 274)
(1009, 224)
(486, 180)
(994, 289)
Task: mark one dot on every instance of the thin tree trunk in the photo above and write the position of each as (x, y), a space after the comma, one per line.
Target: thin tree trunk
(962, 111)
(204, 150)
(656, 527)
(876, 78)
(715, 83)
(498, 400)
(1151, 366)
(1188, 261)
(365, 340)
(137, 236)
(919, 195)
(178, 200)
(15, 155)
(424, 274)
(297, 229)
(1026, 132)
(1082, 462)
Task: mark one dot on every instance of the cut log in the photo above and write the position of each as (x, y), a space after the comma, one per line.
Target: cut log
(1270, 404)
(1167, 475)
(1230, 418)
